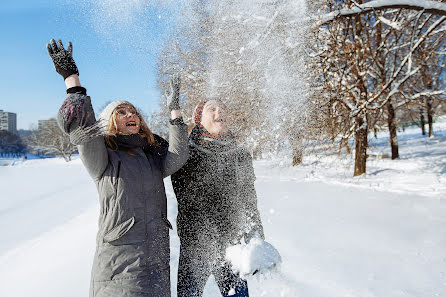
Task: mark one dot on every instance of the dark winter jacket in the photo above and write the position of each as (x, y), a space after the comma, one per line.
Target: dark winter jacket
(132, 248)
(217, 203)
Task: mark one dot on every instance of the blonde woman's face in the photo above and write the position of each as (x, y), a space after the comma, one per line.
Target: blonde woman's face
(127, 120)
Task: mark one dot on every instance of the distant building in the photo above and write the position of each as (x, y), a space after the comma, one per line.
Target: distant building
(8, 121)
(46, 123)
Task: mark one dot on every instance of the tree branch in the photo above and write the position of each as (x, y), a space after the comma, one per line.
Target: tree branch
(433, 7)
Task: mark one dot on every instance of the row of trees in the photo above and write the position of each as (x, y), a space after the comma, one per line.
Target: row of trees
(331, 75)
(11, 145)
(377, 65)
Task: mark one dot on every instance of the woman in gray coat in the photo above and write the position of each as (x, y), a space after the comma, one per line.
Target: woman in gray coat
(127, 163)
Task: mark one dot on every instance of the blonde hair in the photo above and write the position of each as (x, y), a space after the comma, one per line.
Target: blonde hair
(112, 130)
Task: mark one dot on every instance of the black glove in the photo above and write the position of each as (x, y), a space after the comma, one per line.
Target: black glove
(173, 97)
(62, 59)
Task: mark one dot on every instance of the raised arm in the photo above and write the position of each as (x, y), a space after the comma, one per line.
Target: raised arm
(76, 116)
(178, 148)
(173, 97)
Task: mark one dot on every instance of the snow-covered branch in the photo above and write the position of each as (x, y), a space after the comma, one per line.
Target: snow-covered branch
(403, 63)
(389, 23)
(433, 7)
(425, 93)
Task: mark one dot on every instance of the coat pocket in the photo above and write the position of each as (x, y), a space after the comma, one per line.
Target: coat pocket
(119, 230)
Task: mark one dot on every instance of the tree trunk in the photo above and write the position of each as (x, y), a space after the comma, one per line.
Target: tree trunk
(391, 121)
(361, 147)
(422, 122)
(429, 112)
(257, 152)
(297, 150)
(297, 156)
(63, 154)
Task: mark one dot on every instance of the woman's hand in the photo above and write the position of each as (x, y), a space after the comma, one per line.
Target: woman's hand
(173, 96)
(62, 59)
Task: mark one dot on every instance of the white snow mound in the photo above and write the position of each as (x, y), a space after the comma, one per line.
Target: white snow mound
(257, 256)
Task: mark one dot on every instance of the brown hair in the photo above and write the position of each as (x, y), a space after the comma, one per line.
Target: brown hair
(112, 130)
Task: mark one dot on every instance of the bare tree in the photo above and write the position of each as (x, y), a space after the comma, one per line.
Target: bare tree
(367, 57)
(345, 58)
(51, 140)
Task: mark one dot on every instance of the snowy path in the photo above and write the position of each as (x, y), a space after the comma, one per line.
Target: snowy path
(335, 240)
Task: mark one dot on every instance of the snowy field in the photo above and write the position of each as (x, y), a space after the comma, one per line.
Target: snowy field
(382, 234)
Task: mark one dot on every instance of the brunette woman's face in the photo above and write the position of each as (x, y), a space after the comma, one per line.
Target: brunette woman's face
(214, 118)
(127, 120)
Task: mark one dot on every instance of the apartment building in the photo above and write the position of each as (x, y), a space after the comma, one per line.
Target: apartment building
(8, 121)
(41, 124)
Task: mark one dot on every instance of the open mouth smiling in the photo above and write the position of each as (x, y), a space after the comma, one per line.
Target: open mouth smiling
(131, 124)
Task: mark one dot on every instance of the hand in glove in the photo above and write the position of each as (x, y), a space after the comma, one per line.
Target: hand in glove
(173, 96)
(62, 59)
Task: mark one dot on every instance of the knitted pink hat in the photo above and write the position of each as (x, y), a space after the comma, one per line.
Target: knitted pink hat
(198, 111)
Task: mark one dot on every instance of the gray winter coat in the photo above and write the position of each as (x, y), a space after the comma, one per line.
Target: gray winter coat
(132, 246)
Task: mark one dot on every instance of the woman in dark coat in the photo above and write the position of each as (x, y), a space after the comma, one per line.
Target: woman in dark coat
(127, 163)
(217, 204)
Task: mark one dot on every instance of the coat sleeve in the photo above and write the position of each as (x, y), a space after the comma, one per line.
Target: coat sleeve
(249, 196)
(76, 118)
(252, 213)
(178, 151)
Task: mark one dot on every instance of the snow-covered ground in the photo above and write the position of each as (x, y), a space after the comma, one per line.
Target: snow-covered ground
(420, 169)
(382, 234)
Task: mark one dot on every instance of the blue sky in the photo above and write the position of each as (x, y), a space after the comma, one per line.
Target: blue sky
(115, 46)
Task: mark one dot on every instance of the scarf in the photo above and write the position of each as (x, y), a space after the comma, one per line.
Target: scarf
(157, 150)
(202, 140)
(131, 141)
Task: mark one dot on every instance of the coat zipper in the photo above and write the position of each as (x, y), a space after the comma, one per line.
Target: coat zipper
(117, 178)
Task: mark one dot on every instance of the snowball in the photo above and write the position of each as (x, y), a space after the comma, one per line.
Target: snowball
(257, 256)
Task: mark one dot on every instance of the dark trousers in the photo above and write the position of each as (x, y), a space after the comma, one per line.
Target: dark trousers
(194, 270)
